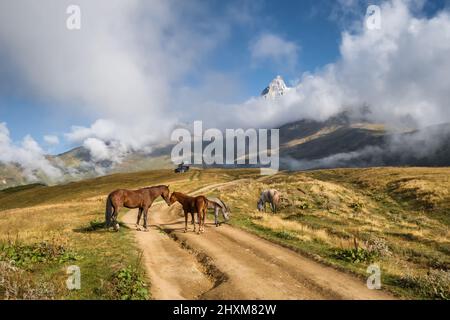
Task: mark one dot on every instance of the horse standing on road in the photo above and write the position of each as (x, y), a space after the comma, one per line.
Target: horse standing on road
(192, 205)
(132, 199)
(219, 205)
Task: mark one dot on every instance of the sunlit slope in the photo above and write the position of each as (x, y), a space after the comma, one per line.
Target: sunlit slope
(349, 218)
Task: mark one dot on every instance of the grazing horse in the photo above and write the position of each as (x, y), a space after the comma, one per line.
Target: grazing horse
(141, 198)
(271, 196)
(217, 204)
(192, 205)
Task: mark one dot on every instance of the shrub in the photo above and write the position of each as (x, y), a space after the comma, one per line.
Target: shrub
(355, 255)
(129, 284)
(434, 285)
(18, 284)
(378, 246)
(26, 255)
(285, 235)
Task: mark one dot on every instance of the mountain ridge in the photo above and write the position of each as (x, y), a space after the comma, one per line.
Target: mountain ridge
(347, 139)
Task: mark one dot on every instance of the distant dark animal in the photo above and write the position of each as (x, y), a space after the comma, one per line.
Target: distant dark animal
(192, 205)
(141, 198)
(182, 168)
(271, 196)
(218, 205)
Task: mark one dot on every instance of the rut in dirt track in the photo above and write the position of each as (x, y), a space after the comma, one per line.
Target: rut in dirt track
(229, 263)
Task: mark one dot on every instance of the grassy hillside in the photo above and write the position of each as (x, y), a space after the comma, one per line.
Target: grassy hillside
(345, 140)
(348, 218)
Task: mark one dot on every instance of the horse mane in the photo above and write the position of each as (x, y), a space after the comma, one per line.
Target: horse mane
(181, 195)
(154, 187)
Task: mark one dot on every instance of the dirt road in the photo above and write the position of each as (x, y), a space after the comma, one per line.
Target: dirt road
(228, 263)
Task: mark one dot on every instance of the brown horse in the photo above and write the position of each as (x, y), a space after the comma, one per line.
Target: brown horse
(141, 198)
(192, 205)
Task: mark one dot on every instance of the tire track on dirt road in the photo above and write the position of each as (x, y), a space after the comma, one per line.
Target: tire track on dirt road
(229, 263)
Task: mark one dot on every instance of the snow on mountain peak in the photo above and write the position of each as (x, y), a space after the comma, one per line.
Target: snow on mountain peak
(276, 88)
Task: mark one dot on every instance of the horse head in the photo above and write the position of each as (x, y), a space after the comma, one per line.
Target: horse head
(166, 195)
(173, 198)
(260, 205)
(226, 214)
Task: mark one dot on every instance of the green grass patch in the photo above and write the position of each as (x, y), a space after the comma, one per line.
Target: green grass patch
(355, 255)
(26, 256)
(129, 284)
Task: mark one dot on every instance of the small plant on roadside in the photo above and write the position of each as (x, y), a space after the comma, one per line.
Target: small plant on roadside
(129, 284)
(26, 255)
(355, 255)
(434, 285)
(286, 235)
(378, 246)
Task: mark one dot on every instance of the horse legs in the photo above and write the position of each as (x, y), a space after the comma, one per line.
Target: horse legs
(139, 218)
(272, 206)
(203, 218)
(185, 221)
(115, 215)
(199, 221)
(193, 218)
(111, 222)
(216, 216)
(145, 218)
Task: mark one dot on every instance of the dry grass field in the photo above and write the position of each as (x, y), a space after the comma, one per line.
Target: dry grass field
(346, 218)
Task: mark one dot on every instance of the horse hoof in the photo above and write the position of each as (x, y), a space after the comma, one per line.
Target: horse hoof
(185, 231)
(145, 230)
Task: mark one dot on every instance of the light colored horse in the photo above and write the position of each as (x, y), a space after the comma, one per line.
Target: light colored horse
(219, 205)
(271, 196)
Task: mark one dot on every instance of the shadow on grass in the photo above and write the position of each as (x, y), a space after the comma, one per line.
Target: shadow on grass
(97, 226)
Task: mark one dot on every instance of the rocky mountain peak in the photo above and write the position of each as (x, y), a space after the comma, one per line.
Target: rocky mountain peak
(276, 88)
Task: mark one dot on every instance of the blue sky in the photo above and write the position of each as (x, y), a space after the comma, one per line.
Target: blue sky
(306, 23)
(313, 28)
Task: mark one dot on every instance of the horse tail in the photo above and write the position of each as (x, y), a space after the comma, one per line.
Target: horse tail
(109, 211)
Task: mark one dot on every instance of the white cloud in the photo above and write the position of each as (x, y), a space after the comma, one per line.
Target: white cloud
(28, 155)
(51, 139)
(125, 65)
(400, 71)
(122, 68)
(273, 48)
(98, 149)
